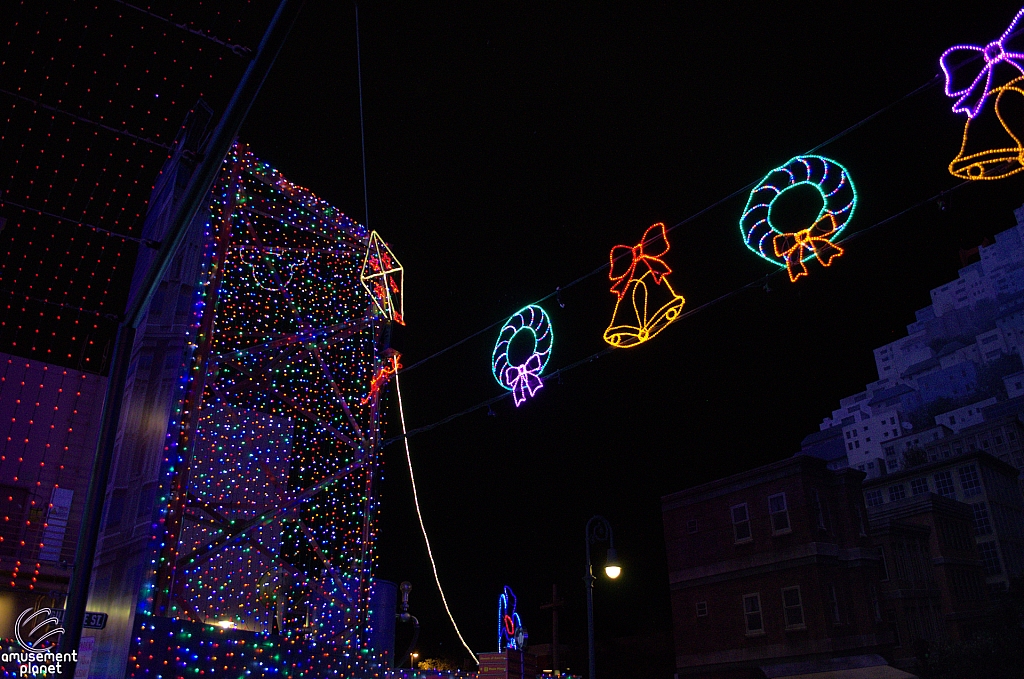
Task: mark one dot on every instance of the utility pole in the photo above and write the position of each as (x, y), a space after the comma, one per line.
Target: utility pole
(555, 604)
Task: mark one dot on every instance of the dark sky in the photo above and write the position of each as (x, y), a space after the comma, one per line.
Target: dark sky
(509, 146)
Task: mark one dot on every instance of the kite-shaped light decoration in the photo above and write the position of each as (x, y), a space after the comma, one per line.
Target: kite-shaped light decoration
(382, 276)
(645, 301)
(998, 77)
(523, 378)
(511, 632)
(790, 249)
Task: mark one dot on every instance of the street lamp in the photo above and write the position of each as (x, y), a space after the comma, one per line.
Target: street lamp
(598, 530)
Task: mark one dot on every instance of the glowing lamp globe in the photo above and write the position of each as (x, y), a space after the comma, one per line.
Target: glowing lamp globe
(611, 567)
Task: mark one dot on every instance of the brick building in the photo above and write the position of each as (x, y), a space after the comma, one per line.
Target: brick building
(932, 583)
(770, 567)
(987, 486)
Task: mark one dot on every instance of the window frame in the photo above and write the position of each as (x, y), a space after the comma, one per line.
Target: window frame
(835, 614)
(784, 512)
(755, 596)
(746, 521)
(799, 606)
(702, 605)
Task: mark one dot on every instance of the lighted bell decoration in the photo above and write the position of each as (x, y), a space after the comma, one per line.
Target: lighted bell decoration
(991, 147)
(382, 276)
(986, 82)
(646, 303)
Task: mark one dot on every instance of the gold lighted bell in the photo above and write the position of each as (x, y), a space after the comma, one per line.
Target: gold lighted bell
(991, 147)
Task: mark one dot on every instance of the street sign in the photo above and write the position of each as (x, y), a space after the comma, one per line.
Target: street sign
(91, 620)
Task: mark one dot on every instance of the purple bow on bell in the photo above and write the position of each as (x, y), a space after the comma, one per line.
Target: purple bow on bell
(524, 379)
(970, 98)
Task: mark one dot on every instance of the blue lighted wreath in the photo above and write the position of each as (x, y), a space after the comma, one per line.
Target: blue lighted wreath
(523, 379)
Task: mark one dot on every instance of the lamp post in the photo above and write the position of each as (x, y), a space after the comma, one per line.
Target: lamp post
(598, 530)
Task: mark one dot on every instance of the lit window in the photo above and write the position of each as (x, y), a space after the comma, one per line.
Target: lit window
(752, 613)
(702, 609)
(873, 498)
(779, 514)
(793, 607)
(990, 558)
(741, 523)
(897, 492)
(918, 486)
(944, 484)
(982, 524)
(969, 480)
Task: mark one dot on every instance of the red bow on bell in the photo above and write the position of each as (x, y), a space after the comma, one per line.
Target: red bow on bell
(814, 239)
(655, 238)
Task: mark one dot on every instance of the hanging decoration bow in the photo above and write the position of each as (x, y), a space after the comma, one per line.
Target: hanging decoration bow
(971, 97)
(814, 239)
(655, 239)
(524, 379)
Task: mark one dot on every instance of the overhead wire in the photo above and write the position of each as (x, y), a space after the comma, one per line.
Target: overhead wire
(931, 83)
(758, 282)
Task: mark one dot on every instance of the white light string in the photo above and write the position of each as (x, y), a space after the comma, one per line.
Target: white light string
(419, 515)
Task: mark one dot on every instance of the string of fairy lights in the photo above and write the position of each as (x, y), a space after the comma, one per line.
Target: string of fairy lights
(268, 484)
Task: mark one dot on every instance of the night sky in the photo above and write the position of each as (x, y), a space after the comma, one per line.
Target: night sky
(509, 147)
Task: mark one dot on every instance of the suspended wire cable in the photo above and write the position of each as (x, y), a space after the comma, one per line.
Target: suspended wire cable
(239, 50)
(423, 528)
(931, 83)
(362, 128)
(692, 312)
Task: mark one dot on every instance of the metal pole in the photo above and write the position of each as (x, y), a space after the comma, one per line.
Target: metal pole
(196, 195)
(601, 531)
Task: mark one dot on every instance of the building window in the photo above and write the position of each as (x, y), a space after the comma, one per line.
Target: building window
(691, 526)
(833, 605)
(873, 498)
(779, 514)
(969, 480)
(918, 486)
(702, 609)
(990, 557)
(982, 524)
(890, 451)
(752, 613)
(944, 484)
(856, 444)
(740, 523)
(792, 607)
(893, 621)
(897, 492)
(819, 509)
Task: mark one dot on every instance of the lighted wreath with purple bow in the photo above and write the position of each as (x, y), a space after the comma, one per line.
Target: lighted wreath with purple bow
(522, 377)
(971, 86)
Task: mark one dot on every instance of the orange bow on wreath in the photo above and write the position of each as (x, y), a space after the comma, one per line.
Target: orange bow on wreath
(814, 239)
(641, 252)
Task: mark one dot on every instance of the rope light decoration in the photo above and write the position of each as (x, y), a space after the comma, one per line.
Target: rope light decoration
(1000, 80)
(523, 379)
(382, 276)
(632, 323)
(510, 627)
(792, 249)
